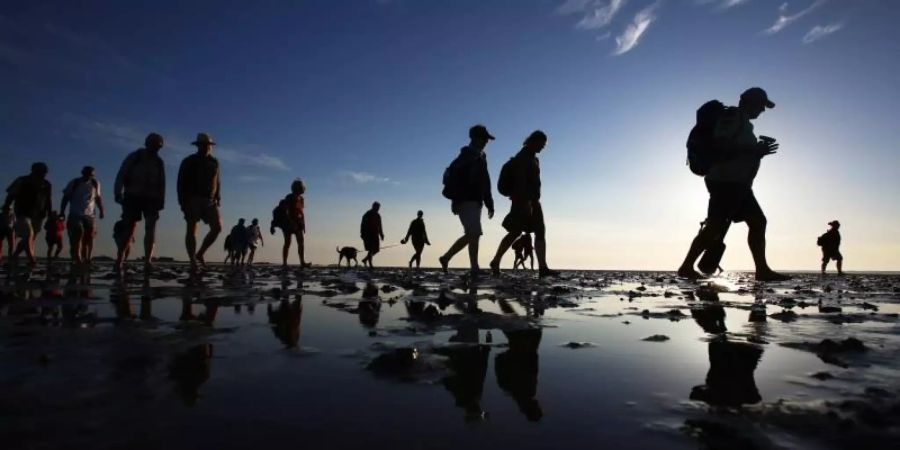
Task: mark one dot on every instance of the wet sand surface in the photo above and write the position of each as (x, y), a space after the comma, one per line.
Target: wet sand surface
(392, 358)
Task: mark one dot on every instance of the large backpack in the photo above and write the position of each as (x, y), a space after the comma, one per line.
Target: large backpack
(507, 181)
(701, 143)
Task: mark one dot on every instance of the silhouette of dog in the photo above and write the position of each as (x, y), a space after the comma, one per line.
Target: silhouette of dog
(347, 253)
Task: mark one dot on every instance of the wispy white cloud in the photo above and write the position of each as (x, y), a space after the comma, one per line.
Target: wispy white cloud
(596, 14)
(721, 4)
(819, 31)
(364, 177)
(631, 37)
(784, 18)
(131, 136)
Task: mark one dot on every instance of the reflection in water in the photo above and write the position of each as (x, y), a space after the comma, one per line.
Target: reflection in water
(189, 370)
(285, 321)
(468, 364)
(711, 318)
(370, 306)
(730, 381)
(517, 370)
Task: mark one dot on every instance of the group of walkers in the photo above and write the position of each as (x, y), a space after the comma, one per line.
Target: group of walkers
(722, 147)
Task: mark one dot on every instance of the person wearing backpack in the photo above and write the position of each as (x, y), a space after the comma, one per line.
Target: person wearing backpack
(84, 195)
(520, 180)
(140, 188)
(831, 243)
(290, 217)
(731, 154)
(467, 184)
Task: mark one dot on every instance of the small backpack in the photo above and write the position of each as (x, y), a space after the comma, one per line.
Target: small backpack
(507, 180)
(455, 179)
(701, 143)
(279, 215)
(821, 240)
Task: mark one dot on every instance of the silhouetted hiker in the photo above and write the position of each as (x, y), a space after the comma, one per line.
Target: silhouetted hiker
(7, 232)
(467, 184)
(84, 195)
(239, 242)
(123, 237)
(141, 190)
(524, 250)
(31, 195)
(831, 243)
(55, 228)
(724, 149)
(199, 197)
(229, 249)
(290, 216)
(419, 237)
(371, 233)
(254, 239)
(285, 321)
(520, 180)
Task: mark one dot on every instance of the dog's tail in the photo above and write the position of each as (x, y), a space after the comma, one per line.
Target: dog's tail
(338, 249)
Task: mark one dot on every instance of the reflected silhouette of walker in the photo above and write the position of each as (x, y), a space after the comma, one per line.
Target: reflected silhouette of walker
(285, 320)
(730, 380)
(517, 370)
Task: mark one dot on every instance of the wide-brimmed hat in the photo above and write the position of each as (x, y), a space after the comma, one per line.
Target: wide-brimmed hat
(834, 223)
(203, 138)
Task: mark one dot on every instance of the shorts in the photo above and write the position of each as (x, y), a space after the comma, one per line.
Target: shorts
(134, 208)
(521, 220)
(732, 202)
(86, 225)
(372, 244)
(28, 226)
(198, 208)
(830, 255)
(469, 213)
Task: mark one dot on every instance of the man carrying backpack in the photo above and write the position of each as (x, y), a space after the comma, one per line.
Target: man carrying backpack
(84, 195)
(467, 184)
(831, 247)
(520, 180)
(141, 190)
(729, 180)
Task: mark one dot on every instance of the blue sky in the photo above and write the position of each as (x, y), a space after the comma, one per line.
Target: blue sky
(369, 100)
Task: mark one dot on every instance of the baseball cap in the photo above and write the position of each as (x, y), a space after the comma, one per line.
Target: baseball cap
(480, 131)
(758, 94)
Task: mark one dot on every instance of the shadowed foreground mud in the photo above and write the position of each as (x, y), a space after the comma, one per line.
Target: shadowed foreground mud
(353, 359)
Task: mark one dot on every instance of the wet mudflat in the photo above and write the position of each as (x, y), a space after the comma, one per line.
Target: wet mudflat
(371, 359)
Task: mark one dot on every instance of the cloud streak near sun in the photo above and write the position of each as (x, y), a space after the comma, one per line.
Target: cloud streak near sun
(633, 32)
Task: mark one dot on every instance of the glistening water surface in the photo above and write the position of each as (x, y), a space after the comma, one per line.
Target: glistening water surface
(359, 359)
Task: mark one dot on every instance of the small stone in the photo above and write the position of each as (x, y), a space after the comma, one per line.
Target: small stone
(656, 338)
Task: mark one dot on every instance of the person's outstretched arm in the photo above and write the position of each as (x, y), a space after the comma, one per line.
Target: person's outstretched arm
(486, 189)
(409, 232)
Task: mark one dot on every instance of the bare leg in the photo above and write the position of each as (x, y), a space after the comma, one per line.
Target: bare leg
(824, 265)
(756, 239)
(287, 247)
(457, 246)
(75, 239)
(473, 251)
(540, 247)
(505, 243)
(214, 230)
(190, 242)
(840, 266)
(709, 233)
(301, 249)
(124, 250)
(149, 241)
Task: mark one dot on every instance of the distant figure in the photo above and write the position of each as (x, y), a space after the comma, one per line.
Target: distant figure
(419, 237)
(228, 246)
(199, 197)
(729, 180)
(467, 184)
(290, 216)
(7, 232)
(55, 228)
(831, 243)
(31, 195)
(123, 237)
(141, 190)
(84, 195)
(239, 243)
(524, 250)
(371, 233)
(520, 180)
(254, 239)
